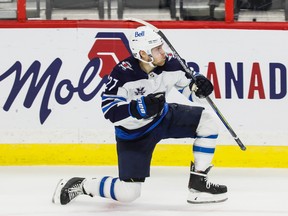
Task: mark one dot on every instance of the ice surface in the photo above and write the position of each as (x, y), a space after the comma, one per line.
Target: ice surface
(28, 191)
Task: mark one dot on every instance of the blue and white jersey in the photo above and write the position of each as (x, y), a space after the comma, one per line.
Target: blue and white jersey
(128, 82)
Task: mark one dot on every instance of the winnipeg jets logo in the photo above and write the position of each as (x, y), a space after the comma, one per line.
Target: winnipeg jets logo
(170, 56)
(140, 91)
(126, 65)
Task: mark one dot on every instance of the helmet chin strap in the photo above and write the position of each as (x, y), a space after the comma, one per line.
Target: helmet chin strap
(148, 62)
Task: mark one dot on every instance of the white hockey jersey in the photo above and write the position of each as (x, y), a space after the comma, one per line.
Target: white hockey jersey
(128, 82)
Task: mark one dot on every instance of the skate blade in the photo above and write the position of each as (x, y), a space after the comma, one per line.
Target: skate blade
(200, 198)
(57, 192)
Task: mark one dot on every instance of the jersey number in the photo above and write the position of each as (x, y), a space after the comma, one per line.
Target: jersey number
(111, 83)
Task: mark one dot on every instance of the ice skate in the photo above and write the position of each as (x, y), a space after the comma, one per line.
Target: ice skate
(203, 191)
(67, 190)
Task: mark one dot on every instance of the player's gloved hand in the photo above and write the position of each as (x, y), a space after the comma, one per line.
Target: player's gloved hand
(201, 86)
(147, 106)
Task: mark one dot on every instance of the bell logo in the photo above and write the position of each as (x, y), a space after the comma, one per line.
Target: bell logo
(139, 34)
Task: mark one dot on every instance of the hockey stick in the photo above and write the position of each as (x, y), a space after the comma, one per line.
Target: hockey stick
(190, 72)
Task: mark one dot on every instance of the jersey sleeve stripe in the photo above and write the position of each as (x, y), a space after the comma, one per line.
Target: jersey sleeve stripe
(109, 105)
(107, 97)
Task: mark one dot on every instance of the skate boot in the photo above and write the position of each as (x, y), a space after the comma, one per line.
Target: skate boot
(203, 191)
(67, 190)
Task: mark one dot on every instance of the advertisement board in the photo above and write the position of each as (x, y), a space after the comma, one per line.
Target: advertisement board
(51, 81)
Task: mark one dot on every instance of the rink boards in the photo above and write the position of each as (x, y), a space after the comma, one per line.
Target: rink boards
(164, 155)
(51, 81)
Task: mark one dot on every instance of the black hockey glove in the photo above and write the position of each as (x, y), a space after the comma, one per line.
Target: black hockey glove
(147, 106)
(201, 86)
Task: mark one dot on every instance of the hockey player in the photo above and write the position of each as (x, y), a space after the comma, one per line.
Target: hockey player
(134, 101)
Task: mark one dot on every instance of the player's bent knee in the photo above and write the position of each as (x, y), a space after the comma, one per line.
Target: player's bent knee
(127, 191)
(208, 124)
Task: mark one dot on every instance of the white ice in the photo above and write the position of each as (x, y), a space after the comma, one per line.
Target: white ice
(27, 191)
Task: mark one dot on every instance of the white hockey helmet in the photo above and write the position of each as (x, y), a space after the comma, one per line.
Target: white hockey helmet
(144, 38)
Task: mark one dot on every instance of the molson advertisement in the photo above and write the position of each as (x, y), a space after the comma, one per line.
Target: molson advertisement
(51, 82)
